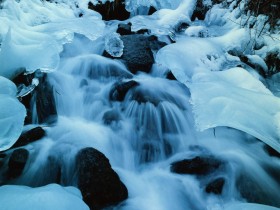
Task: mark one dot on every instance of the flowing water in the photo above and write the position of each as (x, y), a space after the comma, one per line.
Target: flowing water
(142, 135)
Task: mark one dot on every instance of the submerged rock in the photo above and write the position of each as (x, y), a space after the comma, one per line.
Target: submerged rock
(216, 186)
(17, 162)
(119, 90)
(111, 116)
(99, 183)
(45, 103)
(196, 166)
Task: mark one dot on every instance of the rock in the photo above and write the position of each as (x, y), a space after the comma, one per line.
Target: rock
(272, 60)
(181, 26)
(120, 89)
(200, 10)
(124, 29)
(45, 103)
(111, 116)
(152, 10)
(196, 166)
(30, 136)
(272, 152)
(137, 53)
(114, 10)
(170, 76)
(99, 183)
(216, 186)
(17, 162)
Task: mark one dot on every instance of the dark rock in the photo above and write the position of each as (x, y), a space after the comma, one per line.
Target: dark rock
(99, 183)
(152, 10)
(120, 89)
(243, 58)
(110, 117)
(271, 151)
(170, 76)
(2, 155)
(30, 136)
(180, 27)
(114, 10)
(45, 103)
(17, 162)
(272, 60)
(23, 78)
(143, 31)
(199, 11)
(137, 53)
(124, 29)
(215, 186)
(196, 166)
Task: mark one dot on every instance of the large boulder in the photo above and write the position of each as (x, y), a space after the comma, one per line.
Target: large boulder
(99, 183)
(199, 165)
(137, 52)
(111, 10)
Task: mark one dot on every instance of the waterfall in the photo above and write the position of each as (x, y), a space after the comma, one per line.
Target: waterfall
(175, 143)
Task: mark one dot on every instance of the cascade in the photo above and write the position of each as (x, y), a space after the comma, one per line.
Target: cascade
(147, 124)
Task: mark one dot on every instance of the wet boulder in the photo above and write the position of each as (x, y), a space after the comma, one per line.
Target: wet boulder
(99, 183)
(111, 116)
(169, 75)
(124, 29)
(215, 186)
(120, 89)
(137, 52)
(199, 165)
(30, 136)
(110, 10)
(17, 162)
(45, 102)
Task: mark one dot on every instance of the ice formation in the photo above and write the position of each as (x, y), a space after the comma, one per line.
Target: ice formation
(40, 28)
(12, 114)
(48, 197)
(114, 45)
